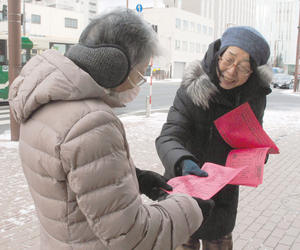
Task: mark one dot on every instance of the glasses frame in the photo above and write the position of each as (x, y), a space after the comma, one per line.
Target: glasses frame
(237, 66)
(141, 82)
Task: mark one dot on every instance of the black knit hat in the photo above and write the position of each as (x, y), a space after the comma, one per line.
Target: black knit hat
(109, 65)
(249, 40)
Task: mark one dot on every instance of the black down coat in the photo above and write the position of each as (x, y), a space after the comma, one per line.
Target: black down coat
(190, 133)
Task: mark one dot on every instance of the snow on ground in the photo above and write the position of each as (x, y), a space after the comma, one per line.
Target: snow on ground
(5, 141)
(141, 133)
(280, 123)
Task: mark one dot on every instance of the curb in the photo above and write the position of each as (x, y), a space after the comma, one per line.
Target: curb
(143, 112)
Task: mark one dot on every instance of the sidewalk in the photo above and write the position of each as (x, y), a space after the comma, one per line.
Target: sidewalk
(268, 216)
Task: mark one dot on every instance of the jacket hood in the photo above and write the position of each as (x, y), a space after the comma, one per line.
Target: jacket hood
(201, 90)
(52, 77)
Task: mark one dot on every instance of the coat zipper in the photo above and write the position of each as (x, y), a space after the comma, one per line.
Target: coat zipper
(238, 100)
(210, 133)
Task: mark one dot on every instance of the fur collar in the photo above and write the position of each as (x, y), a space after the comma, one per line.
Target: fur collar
(200, 88)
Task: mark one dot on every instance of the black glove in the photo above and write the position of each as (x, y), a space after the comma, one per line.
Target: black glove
(191, 167)
(206, 206)
(266, 160)
(151, 182)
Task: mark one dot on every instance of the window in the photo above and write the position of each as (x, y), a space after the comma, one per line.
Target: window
(178, 23)
(184, 46)
(36, 19)
(204, 30)
(191, 47)
(185, 25)
(70, 23)
(210, 31)
(203, 48)
(198, 28)
(193, 27)
(198, 47)
(177, 44)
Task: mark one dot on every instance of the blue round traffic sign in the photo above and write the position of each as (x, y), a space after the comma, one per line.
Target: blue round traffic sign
(139, 8)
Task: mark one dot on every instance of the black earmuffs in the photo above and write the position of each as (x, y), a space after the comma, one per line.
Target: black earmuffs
(109, 65)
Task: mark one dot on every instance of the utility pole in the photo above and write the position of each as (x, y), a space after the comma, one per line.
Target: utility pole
(275, 54)
(14, 50)
(24, 19)
(297, 56)
(127, 4)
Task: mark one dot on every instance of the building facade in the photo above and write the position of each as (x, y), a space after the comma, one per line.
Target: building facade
(89, 8)
(184, 36)
(43, 21)
(210, 17)
(185, 27)
(225, 13)
(278, 21)
(47, 27)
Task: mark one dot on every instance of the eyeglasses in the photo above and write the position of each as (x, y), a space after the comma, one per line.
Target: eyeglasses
(142, 81)
(228, 64)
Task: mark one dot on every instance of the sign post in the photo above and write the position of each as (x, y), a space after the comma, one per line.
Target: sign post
(149, 98)
(139, 9)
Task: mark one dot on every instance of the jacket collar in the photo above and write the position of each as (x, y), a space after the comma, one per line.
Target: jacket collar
(202, 91)
(53, 77)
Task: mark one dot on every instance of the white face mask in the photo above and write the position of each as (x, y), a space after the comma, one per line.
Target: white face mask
(129, 95)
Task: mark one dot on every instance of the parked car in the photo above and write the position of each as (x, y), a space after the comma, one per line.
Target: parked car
(298, 84)
(277, 70)
(283, 81)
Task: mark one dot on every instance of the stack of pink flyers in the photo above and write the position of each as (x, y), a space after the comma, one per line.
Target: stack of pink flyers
(245, 164)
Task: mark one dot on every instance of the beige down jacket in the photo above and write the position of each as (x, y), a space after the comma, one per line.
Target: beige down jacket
(76, 160)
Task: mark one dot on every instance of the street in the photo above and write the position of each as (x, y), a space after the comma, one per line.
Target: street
(281, 100)
(163, 93)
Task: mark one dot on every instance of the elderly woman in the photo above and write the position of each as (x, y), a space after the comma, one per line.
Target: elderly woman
(74, 151)
(230, 74)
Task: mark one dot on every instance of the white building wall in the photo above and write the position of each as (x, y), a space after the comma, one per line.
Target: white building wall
(52, 22)
(50, 29)
(225, 13)
(89, 8)
(278, 20)
(169, 35)
(228, 13)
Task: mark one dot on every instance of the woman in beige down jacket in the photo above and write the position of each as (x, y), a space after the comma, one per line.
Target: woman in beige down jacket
(74, 151)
